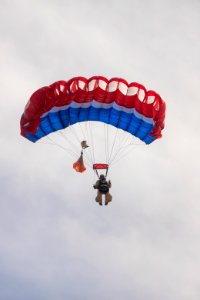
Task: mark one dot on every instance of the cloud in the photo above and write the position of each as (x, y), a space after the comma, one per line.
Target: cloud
(55, 241)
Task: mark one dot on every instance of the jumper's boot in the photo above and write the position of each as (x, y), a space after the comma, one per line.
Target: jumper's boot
(108, 198)
(99, 198)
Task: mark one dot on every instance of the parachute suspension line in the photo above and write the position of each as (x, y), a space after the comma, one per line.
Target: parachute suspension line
(84, 135)
(75, 135)
(132, 147)
(69, 151)
(70, 142)
(134, 139)
(88, 139)
(75, 147)
(121, 157)
(113, 145)
(92, 140)
(122, 144)
(121, 152)
(106, 142)
(129, 140)
(110, 141)
(126, 143)
(118, 148)
(73, 131)
(124, 139)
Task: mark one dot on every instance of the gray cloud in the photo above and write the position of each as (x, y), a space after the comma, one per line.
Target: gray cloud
(55, 242)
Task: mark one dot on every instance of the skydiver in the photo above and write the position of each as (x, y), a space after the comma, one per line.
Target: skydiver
(102, 185)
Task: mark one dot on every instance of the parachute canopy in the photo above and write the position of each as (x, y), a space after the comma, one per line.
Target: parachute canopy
(129, 107)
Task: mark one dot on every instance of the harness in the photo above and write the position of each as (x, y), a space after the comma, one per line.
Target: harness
(103, 186)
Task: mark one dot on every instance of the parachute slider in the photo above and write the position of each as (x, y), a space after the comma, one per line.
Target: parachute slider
(97, 167)
(100, 166)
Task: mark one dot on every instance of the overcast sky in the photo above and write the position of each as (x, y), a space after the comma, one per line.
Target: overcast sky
(55, 241)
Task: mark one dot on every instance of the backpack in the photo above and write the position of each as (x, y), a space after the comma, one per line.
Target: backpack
(103, 186)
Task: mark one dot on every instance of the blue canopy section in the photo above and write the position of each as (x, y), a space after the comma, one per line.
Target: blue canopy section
(131, 122)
